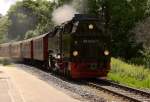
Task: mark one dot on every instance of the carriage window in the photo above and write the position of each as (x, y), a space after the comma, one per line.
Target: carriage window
(75, 27)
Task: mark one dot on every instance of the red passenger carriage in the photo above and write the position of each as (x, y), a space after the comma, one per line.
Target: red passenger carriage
(15, 50)
(40, 48)
(27, 49)
(5, 50)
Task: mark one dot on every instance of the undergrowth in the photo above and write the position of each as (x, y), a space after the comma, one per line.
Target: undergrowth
(129, 74)
(5, 61)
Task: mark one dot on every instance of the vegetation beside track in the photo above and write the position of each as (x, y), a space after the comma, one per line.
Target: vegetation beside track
(129, 74)
(5, 61)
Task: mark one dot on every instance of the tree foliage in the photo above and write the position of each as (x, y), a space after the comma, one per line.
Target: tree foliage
(29, 15)
(29, 18)
(4, 24)
(124, 14)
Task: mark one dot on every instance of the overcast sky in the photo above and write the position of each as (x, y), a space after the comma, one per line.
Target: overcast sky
(5, 5)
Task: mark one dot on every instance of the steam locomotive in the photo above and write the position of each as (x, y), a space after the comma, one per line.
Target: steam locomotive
(79, 48)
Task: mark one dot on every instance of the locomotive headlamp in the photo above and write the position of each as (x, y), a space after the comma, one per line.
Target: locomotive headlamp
(75, 53)
(91, 26)
(58, 56)
(106, 52)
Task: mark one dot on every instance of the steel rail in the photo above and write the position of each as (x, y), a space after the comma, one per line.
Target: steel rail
(129, 93)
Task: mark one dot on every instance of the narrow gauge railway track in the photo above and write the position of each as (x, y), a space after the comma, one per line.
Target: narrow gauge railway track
(131, 94)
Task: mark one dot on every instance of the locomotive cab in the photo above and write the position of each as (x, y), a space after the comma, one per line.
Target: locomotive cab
(83, 47)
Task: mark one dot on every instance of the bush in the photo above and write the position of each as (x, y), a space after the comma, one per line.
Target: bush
(146, 58)
(30, 34)
(142, 60)
(5, 61)
(137, 61)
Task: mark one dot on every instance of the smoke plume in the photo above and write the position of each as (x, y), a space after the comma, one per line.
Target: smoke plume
(80, 5)
(63, 14)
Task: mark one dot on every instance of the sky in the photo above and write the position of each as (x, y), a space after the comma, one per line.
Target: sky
(5, 5)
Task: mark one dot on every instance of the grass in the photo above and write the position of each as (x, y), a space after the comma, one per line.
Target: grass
(131, 75)
(5, 61)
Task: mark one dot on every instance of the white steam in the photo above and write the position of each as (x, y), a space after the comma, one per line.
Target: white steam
(80, 5)
(63, 14)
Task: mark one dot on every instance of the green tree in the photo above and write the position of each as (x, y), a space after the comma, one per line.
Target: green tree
(29, 15)
(124, 15)
(4, 24)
